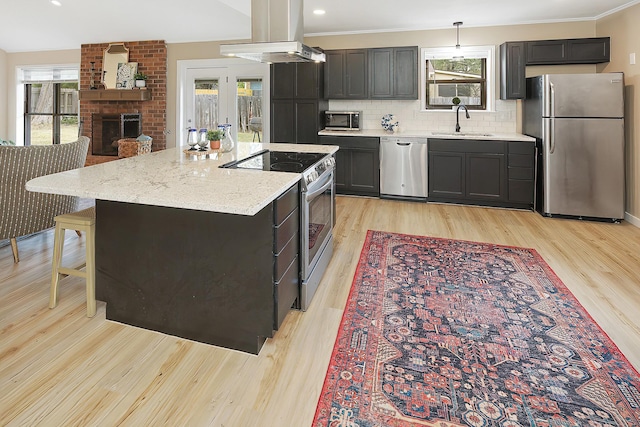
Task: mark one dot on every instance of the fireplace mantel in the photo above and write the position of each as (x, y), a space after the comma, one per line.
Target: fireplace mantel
(115, 94)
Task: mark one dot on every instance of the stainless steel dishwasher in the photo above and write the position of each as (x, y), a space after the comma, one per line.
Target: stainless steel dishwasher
(403, 167)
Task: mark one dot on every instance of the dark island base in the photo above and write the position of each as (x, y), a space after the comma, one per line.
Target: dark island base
(199, 275)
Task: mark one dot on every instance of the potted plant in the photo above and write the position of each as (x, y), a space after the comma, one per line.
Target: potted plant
(214, 136)
(141, 79)
(3, 142)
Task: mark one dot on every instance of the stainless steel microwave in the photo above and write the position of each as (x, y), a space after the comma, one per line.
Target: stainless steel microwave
(342, 120)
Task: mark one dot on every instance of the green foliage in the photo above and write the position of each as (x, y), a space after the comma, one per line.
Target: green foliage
(215, 135)
(140, 76)
(4, 142)
(69, 120)
(465, 66)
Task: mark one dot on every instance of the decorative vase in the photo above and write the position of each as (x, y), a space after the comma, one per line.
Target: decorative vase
(227, 143)
(389, 124)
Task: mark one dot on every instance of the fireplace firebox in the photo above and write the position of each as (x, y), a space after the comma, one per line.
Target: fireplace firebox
(107, 129)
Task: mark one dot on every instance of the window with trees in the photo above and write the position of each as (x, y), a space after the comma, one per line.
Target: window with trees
(453, 77)
(50, 105)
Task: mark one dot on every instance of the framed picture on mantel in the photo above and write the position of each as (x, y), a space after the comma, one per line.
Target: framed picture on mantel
(125, 75)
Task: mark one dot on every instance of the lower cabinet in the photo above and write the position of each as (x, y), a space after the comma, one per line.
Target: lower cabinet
(357, 164)
(479, 172)
(286, 247)
(521, 173)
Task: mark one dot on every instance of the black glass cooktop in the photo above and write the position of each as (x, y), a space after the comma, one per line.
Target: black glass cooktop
(277, 161)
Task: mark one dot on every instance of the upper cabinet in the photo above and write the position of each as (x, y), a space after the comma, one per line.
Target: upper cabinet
(381, 73)
(297, 102)
(515, 56)
(512, 70)
(393, 73)
(346, 74)
(571, 51)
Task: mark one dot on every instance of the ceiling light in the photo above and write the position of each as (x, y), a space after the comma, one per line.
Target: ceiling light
(458, 54)
(319, 12)
(56, 2)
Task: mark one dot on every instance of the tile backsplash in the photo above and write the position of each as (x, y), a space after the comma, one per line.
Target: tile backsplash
(502, 120)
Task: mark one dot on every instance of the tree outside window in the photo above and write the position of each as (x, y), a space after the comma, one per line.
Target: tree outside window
(449, 78)
(51, 113)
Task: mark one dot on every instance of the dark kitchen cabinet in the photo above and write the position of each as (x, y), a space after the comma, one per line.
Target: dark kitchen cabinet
(467, 171)
(286, 266)
(283, 120)
(235, 301)
(446, 175)
(357, 164)
(515, 56)
(380, 73)
(568, 51)
(346, 74)
(393, 73)
(521, 173)
(297, 102)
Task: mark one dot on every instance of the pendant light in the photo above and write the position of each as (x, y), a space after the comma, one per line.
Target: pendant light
(458, 52)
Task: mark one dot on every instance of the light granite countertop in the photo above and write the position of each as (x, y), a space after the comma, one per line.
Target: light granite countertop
(171, 178)
(490, 136)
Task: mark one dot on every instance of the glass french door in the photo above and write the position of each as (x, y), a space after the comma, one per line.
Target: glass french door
(226, 93)
(206, 99)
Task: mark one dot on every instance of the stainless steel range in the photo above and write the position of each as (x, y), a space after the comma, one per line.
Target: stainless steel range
(317, 189)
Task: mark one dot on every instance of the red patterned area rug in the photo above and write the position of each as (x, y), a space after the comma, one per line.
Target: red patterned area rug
(440, 332)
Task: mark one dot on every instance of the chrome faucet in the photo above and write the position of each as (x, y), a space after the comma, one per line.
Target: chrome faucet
(457, 118)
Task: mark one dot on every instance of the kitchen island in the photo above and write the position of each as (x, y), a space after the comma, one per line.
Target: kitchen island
(184, 247)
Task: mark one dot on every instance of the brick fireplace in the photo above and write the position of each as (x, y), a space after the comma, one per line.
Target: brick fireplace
(151, 57)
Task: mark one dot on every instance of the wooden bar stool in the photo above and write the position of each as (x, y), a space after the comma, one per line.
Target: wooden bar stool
(84, 220)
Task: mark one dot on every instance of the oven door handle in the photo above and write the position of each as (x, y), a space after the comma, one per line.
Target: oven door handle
(313, 194)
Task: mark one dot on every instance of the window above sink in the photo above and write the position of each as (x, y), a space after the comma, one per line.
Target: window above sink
(445, 76)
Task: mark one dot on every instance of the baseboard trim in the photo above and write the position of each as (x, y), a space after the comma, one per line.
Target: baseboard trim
(632, 219)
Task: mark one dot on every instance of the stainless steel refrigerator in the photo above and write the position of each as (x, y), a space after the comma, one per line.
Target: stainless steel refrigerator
(578, 122)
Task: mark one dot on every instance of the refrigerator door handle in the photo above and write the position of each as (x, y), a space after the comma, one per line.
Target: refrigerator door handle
(552, 136)
(552, 99)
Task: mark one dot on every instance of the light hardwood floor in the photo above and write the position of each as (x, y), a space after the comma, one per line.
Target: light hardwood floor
(60, 368)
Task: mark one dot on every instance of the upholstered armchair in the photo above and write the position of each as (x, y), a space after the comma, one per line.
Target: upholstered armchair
(24, 212)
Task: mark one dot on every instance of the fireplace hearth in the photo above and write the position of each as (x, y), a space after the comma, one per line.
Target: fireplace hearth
(107, 129)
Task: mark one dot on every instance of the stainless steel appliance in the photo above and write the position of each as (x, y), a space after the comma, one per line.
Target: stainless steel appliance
(342, 120)
(403, 168)
(317, 198)
(578, 121)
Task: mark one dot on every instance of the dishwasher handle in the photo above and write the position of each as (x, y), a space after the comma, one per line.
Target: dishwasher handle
(404, 144)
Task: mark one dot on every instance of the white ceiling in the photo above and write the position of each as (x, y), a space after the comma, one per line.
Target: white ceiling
(35, 25)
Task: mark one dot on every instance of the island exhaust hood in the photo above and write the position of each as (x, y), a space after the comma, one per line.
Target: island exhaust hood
(276, 34)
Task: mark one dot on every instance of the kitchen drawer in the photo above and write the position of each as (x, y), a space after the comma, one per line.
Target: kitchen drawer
(351, 141)
(285, 203)
(466, 146)
(286, 292)
(520, 173)
(285, 256)
(520, 160)
(521, 147)
(521, 191)
(283, 232)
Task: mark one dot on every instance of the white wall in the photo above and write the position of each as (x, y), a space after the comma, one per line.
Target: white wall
(3, 95)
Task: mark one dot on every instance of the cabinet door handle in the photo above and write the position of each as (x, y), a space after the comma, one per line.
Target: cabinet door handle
(404, 144)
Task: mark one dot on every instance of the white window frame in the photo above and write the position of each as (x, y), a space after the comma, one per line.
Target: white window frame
(35, 74)
(488, 52)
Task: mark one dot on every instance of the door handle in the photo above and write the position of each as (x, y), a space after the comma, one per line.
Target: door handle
(552, 99)
(552, 137)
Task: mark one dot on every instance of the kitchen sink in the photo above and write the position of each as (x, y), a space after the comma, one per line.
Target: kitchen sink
(464, 134)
